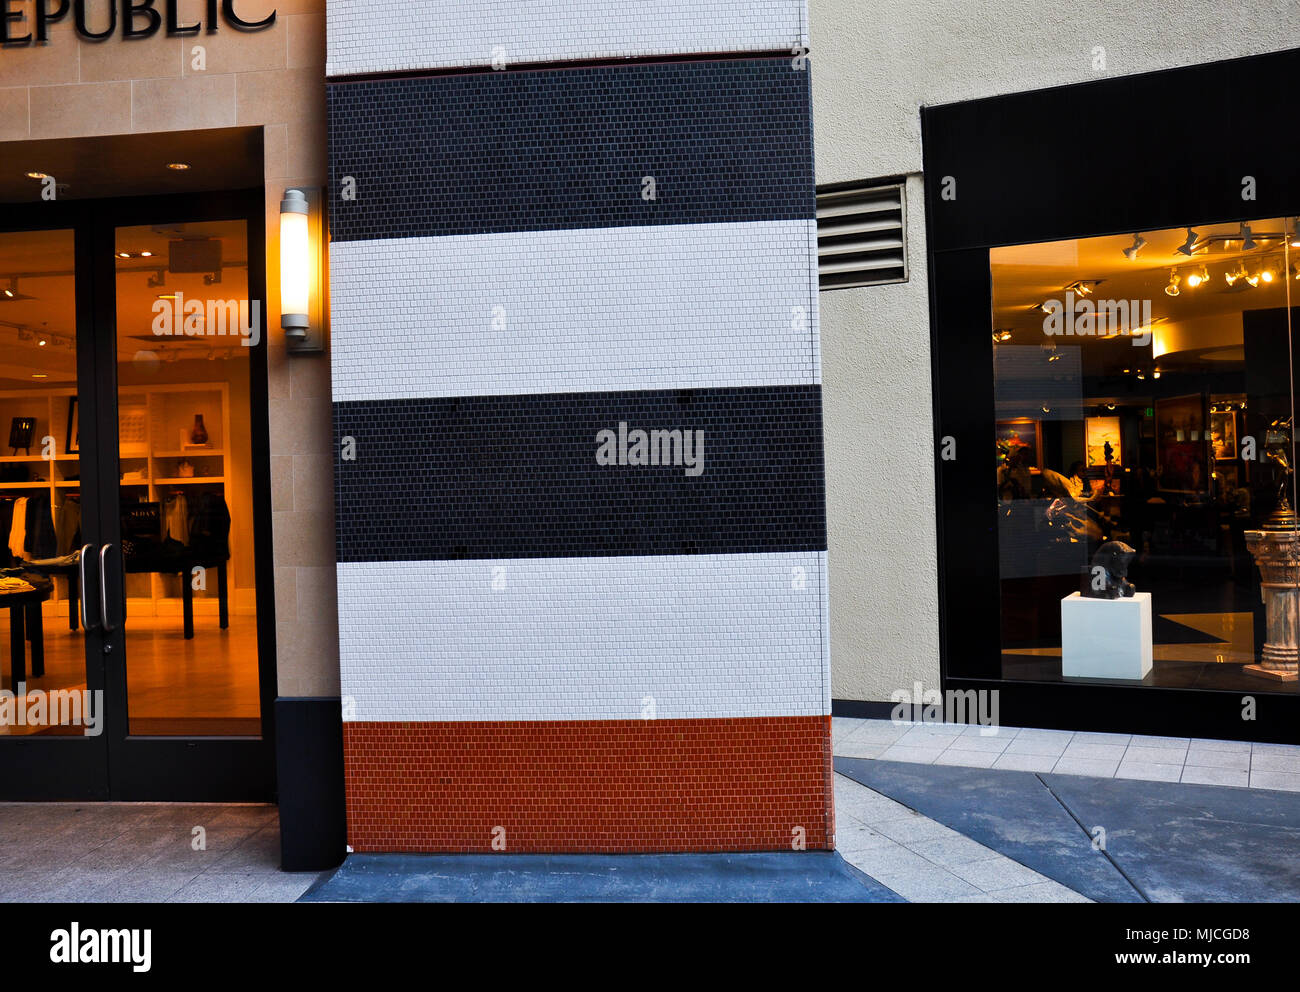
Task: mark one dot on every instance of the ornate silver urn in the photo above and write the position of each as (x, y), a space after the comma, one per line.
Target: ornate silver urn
(1276, 550)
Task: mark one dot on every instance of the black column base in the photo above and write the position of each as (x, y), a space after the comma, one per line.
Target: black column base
(309, 765)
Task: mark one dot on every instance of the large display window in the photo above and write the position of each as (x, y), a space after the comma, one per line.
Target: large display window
(1114, 307)
(1143, 407)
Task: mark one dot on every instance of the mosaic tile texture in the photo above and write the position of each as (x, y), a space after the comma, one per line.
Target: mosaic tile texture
(518, 477)
(680, 306)
(585, 638)
(725, 142)
(396, 35)
(593, 785)
(591, 657)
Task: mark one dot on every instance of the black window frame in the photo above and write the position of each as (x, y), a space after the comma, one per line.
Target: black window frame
(1113, 156)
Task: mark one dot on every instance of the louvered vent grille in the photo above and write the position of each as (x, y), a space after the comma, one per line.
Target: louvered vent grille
(861, 236)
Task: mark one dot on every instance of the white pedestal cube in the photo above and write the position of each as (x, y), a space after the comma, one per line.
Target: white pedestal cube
(1106, 638)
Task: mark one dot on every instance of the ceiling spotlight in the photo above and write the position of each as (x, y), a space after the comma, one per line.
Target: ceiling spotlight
(1002, 335)
(1197, 279)
(1155, 374)
(146, 254)
(41, 342)
(1131, 252)
(1295, 271)
(1174, 280)
(40, 375)
(1295, 234)
(1188, 246)
(37, 175)
(1247, 242)
(123, 254)
(178, 166)
(1253, 279)
(1110, 406)
(1142, 375)
(1266, 274)
(1232, 276)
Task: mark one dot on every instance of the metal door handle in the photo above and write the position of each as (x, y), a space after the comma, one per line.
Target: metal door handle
(103, 591)
(85, 614)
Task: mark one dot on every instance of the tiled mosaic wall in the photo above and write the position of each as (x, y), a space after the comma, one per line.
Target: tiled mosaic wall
(404, 35)
(577, 404)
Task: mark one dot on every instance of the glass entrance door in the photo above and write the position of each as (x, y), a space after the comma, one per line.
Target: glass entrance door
(185, 331)
(52, 708)
(135, 390)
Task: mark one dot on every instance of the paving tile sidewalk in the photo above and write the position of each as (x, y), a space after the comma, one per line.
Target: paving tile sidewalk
(1160, 759)
(143, 852)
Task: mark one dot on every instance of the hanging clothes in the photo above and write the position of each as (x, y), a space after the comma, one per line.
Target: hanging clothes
(18, 529)
(6, 522)
(176, 518)
(39, 540)
(67, 526)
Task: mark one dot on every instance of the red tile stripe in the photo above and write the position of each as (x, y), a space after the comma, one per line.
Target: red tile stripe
(611, 786)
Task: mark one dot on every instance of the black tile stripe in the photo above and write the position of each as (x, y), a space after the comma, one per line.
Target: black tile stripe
(727, 141)
(516, 476)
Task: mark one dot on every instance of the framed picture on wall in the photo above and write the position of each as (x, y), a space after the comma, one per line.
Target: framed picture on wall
(1182, 445)
(1020, 442)
(1223, 434)
(72, 445)
(1099, 433)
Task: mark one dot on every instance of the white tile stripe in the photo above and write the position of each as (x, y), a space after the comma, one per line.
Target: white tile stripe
(1158, 759)
(659, 307)
(392, 35)
(702, 636)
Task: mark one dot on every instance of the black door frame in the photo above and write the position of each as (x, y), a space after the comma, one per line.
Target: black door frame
(1099, 158)
(116, 765)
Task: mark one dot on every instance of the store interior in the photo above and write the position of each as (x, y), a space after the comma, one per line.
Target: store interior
(184, 473)
(1144, 393)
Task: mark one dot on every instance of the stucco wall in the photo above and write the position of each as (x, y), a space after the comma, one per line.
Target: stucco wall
(873, 69)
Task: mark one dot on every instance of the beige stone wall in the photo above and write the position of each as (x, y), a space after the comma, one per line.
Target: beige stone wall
(274, 79)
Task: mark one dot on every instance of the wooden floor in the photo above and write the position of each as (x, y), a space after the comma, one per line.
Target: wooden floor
(206, 686)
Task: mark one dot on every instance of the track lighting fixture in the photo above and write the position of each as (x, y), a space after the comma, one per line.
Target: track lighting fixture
(1233, 276)
(1247, 242)
(1188, 246)
(1195, 280)
(1174, 280)
(1131, 252)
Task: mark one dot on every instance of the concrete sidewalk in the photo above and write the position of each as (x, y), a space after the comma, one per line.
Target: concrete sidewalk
(143, 852)
(1142, 828)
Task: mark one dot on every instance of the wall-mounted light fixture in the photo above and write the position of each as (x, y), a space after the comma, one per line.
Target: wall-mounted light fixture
(303, 308)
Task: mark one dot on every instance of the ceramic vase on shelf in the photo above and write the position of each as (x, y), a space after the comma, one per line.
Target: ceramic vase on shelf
(199, 433)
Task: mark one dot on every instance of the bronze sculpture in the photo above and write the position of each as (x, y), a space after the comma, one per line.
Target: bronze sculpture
(1108, 577)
